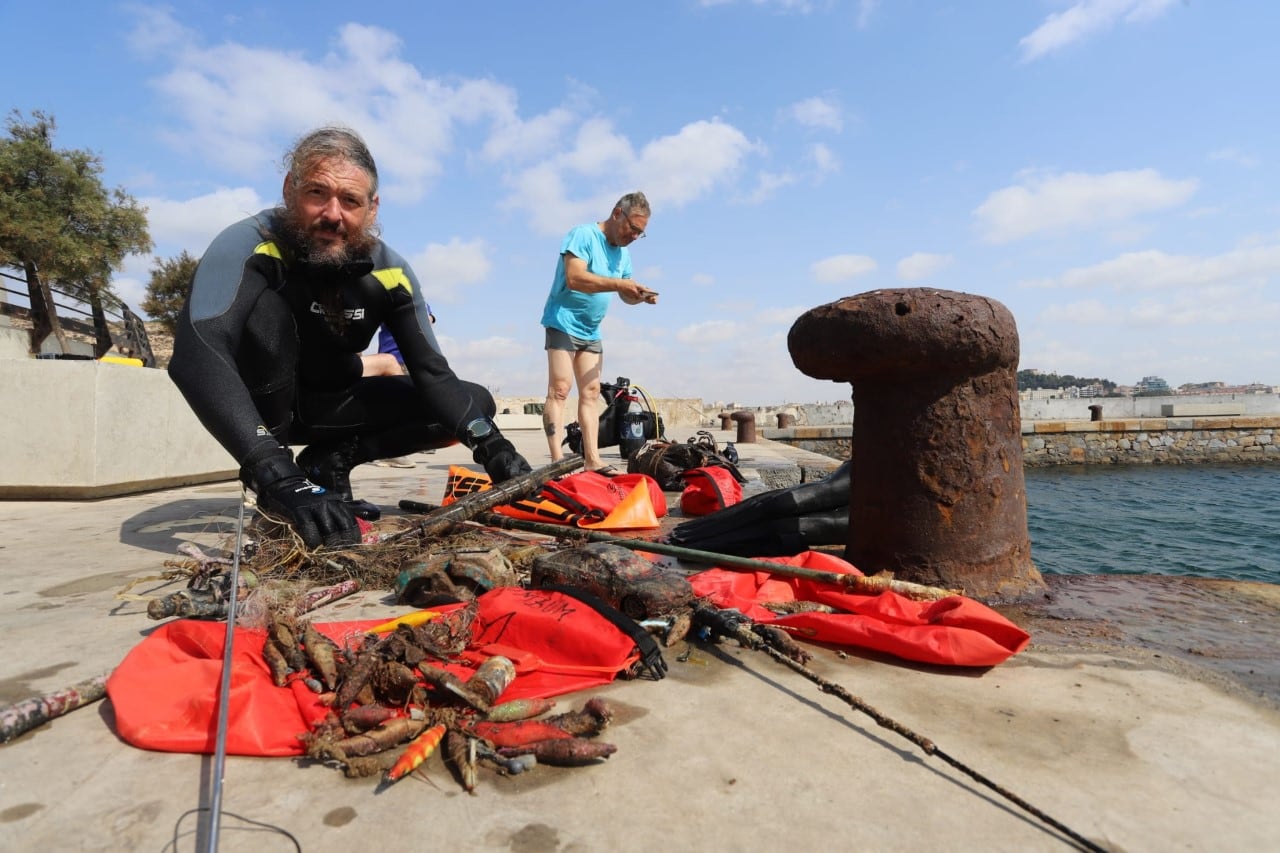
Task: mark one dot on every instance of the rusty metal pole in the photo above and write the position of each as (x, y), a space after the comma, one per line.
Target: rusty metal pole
(937, 494)
(726, 418)
(746, 427)
(786, 419)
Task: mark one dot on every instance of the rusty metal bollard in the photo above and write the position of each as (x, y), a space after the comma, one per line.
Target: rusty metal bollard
(746, 427)
(937, 494)
(725, 420)
(1095, 412)
(786, 419)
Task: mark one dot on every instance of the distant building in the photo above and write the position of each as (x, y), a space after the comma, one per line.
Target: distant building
(1152, 385)
(1220, 388)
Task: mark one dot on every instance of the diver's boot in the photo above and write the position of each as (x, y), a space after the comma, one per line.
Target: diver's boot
(330, 466)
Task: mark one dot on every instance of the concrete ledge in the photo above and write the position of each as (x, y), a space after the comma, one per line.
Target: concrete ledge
(1212, 423)
(85, 429)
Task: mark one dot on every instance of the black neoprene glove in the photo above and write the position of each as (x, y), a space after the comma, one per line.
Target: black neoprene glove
(319, 516)
(500, 459)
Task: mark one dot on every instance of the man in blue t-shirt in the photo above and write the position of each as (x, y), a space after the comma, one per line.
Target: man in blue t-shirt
(594, 262)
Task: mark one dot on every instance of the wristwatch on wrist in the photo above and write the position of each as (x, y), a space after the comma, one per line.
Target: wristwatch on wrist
(478, 430)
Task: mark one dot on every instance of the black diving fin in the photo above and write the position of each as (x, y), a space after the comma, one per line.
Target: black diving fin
(775, 537)
(783, 521)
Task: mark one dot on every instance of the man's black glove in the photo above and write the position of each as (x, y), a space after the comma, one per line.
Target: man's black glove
(498, 456)
(319, 516)
(501, 460)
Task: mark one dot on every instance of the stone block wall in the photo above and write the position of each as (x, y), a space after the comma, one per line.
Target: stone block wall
(1137, 441)
(1143, 441)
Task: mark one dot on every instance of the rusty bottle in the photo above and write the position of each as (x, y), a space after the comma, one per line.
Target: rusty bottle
(490, 680)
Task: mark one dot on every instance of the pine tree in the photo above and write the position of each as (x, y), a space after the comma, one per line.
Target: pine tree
(168, 288)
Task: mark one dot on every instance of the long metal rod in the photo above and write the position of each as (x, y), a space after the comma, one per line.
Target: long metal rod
(213, 817)
(852, 583)
(737, 626)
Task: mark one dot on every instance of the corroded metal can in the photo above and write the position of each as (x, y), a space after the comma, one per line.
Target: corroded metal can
(492, 678)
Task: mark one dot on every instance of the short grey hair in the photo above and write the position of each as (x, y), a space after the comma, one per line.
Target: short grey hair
(333, 141)
(633, 202)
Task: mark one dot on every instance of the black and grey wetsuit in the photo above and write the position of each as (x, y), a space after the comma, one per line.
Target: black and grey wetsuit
(267, 352)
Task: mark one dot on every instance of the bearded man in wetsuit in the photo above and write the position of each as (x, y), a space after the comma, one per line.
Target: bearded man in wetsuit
(267, 349)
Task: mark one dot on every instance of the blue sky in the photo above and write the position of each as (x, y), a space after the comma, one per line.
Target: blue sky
(1106, 169)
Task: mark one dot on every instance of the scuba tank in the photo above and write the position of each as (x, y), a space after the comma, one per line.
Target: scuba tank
(631, 423)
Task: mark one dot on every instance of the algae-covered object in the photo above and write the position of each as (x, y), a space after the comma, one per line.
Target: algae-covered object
(618, 575)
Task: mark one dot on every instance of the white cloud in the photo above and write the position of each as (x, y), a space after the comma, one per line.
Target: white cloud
(1155, 270)
(1091, 312)
(803, 7)
(517, 140)
(824, 159)
(501, 364)
(710, 333)
(866, 8)
(1076, 200)
(841, 268)
(566, 168)
(444, 269)
(1232, 155)
(921, 265)
(130, 281)
(702, 279)
(192, 224)
(823, 113)
(767, 184)
(672, 171)
(785, 315)
(1086, 18)
(685, 166)
(226, 115)
(157, 32)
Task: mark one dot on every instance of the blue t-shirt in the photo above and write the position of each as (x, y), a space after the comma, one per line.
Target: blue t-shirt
(579, 314)
(387, 344)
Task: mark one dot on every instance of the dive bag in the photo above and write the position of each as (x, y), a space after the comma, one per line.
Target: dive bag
(629, 420)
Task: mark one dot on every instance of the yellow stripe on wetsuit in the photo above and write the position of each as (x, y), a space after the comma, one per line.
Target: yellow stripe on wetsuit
(393, 277)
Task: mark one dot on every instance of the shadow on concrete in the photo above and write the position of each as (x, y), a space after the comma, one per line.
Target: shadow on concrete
(165, 525)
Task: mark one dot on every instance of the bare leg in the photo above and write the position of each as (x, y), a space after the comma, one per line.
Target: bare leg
(559, 381)
(586, 369)
(381, 364)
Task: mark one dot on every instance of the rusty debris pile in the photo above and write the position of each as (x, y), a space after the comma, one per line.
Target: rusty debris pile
(387, 689)
(391, 700)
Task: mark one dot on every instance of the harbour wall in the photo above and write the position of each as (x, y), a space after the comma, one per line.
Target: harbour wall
(1135, 441)
(840, 413)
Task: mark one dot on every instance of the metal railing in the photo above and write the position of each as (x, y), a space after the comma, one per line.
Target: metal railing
(66, 309)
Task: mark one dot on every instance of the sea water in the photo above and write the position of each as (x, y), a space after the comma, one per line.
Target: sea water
(1215, 521)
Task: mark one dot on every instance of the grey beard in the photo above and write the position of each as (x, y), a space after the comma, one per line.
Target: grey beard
(355, 247)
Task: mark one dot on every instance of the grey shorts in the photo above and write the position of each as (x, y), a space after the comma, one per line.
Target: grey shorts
(557, 339)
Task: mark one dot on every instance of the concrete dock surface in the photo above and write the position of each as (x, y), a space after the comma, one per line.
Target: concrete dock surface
(731, 751)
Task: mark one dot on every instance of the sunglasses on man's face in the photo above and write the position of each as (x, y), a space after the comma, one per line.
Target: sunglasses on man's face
(636, 230)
